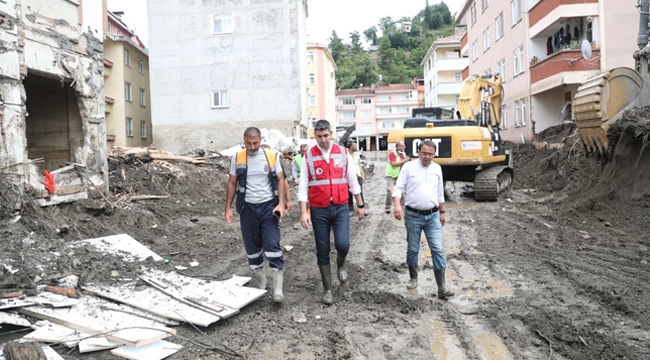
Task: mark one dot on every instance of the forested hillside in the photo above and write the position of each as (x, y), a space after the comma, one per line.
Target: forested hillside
(391, 51)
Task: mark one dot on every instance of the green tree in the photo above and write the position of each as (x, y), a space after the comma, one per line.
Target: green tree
(386, 23)
(371, 35)
(436, 21)
(336, 46)
(355, 43)
(427, 15)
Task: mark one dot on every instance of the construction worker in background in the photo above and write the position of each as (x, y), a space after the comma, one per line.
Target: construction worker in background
(396, 158)
(422, 182)
(355, 160)
(324, 186)
(287, 189)
(297, 164)
(256, 177)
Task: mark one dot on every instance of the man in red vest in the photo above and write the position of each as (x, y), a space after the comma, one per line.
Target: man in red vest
(324, 181)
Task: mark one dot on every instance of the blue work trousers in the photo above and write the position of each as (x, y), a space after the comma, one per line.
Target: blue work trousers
(260, 231)
(333, 217)
(430, 224)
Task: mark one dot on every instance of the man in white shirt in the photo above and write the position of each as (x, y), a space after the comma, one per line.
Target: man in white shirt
(425, 211)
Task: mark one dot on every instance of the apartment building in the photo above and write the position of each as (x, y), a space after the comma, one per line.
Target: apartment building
(126, 79)
(443, 66)
(322, 85)
(52, 99)
(535, 46)
(376, 110)
(218, 67)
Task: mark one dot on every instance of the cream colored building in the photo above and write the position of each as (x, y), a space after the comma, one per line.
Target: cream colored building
(321, 80)
(126, 77)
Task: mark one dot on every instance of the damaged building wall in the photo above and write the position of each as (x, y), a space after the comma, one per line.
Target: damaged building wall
(56, 47)
(252, 53)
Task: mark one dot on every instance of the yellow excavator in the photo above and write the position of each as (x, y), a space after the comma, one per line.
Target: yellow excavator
(469, 148)
(601, 100)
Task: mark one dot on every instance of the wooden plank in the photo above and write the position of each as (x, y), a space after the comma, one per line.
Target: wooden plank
(52, 333)
(155, 351)
(13, 319)
(121, 245)
(97, 344)
(87, 317)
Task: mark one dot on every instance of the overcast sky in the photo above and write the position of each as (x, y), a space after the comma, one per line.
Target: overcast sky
(343, 16)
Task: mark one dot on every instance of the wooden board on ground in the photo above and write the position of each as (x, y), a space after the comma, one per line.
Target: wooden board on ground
(47, 299)
(48, 332)
(98, 344)
(208, 293)
(121, 245)
(155, 351)
(13, 319)
(88, 317)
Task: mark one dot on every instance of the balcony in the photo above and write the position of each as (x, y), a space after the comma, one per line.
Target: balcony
(548, 12)
(108, 66)
(447, 88)
(450, 65)
(564, 67)
(109, 104)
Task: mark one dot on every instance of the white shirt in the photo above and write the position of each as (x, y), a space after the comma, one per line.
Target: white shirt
(303, 186)
(424, 186)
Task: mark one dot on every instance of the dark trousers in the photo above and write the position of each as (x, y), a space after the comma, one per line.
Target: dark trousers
(260, 230)
(351, 197)
(333, 217)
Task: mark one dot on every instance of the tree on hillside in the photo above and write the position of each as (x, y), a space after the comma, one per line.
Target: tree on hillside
(371, 35)
(427, 15)
(336, 46)
(355, 43)
(443, 9)
(386, 23)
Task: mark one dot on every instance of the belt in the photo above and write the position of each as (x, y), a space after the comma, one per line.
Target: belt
(423, 212)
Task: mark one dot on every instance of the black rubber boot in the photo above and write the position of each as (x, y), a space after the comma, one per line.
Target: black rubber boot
(413, 282)
(326, 275)
(342, 271)
(443, 293)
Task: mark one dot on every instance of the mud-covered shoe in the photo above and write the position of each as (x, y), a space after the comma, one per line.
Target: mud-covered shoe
(278, 296)
(443, 293)
(326, 276)
(413, 281)
(260, 276)
(342, 272)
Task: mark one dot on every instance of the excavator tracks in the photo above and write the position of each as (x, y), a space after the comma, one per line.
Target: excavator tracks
(489, 182)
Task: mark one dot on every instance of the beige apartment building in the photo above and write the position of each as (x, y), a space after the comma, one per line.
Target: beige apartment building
(322, 86)
(126, 78)
(443, 66)
(535, 46)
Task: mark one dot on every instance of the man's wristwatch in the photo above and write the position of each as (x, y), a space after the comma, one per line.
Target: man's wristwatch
(361, 206)
(442, 211)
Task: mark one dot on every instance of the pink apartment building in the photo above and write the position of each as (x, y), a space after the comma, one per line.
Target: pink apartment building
(376, 110)
(322, 85)
(535, 46)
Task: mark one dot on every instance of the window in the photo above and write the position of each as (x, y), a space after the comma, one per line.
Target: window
(384, 97)
(518, 57)
(110, 28)
(312, 100)
(402, 110)
(404, 96)
(522, 102)
(222, 24)
(590, 31)
(365, 114)
(140, 65)
(117, 31)
(312, 78)
(310, 56)
(127, 91)
(498, 27)
(475, 50)
(458, 77)
(485, 4)
(127, 57)
(501, 68)
(517, 114)
(142, 97)
(220, 99)
(129, 127)
(347, 101)
(504, 117)
(385, 110)
(387, 125)
(515, 8)
(366, 126)
(366, 100)
(486, 39)
(143, 129)
(472, 13)
(348, 115)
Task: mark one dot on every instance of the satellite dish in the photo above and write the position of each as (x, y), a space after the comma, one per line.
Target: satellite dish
(585, 47)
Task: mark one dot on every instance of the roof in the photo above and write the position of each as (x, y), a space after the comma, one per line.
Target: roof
(348, 92)
(393, 87)
(463, 10)
(442, 41)
(450, 39)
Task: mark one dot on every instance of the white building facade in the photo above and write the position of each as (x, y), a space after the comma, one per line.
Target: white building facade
(220, 67)
(443, 66)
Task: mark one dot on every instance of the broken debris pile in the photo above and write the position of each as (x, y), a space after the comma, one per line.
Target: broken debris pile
(131, 316)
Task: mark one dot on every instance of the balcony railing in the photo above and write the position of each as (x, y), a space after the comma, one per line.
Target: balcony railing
(566, 60)
(545, 8)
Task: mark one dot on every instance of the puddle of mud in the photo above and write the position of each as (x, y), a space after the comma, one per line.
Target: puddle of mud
(492, 347)
(443, 346)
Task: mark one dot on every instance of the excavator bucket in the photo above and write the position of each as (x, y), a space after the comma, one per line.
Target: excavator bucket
(601, 100)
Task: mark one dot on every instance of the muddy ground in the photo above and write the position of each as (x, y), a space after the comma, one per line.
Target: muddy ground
(557, 268)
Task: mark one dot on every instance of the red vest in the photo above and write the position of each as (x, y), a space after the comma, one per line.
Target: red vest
(327, 182)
